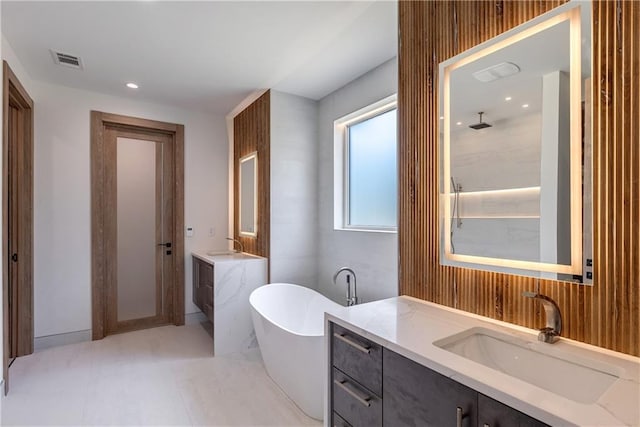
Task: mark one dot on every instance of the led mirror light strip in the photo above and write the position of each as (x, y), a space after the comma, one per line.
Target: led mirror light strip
(571, 13)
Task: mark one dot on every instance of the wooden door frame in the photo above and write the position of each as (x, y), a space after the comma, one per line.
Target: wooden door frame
(14, 92)
(99, 258)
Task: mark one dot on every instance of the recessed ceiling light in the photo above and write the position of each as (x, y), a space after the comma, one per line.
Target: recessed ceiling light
(525, 105)
(508, 98)
(459, 123)
(441, 117)
(132, 86)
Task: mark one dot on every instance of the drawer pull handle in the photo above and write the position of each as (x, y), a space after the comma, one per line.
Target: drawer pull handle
(352, 343)
(345, 386)
(459, 417)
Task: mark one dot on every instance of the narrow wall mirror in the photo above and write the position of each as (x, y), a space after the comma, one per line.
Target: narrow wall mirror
(248, 195)
(511, 170)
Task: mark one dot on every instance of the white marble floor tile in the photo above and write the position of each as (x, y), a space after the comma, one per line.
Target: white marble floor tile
(160, 376)
(35, 408)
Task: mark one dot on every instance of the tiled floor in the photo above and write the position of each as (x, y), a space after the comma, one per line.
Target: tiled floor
(161, 376)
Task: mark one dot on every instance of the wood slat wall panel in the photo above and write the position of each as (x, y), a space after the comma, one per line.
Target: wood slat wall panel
(606, 314)
(251, 132)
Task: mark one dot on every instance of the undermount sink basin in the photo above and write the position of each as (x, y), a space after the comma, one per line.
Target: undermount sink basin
(562, 370)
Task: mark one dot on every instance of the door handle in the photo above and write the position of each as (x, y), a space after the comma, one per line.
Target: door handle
(167, 245)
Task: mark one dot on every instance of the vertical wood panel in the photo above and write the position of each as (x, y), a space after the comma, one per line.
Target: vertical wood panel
(251, 132)
(606, 314)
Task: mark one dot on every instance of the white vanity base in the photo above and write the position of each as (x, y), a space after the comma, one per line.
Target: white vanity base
(234, 278)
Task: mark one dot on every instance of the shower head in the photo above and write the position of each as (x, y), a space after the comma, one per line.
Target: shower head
(481, 124)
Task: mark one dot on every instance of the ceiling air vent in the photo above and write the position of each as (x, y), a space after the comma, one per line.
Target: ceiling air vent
(496, 72)
(66, 59)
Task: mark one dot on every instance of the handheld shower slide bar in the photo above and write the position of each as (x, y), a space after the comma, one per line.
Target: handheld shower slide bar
(455, 212)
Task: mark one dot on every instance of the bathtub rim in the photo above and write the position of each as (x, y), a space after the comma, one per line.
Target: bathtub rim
(288, 285)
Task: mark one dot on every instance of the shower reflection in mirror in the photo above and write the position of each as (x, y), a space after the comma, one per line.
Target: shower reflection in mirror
(455, 211)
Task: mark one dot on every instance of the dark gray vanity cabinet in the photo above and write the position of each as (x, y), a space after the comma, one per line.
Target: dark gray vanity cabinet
(356, 380)
(495, 414)
(417, 396)
(202, 295)
(371, 385)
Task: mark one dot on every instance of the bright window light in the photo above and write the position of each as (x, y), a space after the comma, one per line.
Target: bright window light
(373, 172)
(366, 170)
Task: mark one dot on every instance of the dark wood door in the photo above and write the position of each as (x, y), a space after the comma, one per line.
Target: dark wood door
(139, 231)
(13, 225)
(17, 220)
(414, 395)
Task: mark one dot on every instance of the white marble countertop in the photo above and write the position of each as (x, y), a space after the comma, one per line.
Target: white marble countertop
(410, 326)
(213, 257)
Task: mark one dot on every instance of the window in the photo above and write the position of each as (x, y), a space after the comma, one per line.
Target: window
(365, 169)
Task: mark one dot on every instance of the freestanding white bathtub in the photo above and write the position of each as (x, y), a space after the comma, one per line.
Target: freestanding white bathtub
(289, 324)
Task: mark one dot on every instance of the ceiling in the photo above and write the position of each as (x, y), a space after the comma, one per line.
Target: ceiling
(535, 56)
(203, 55)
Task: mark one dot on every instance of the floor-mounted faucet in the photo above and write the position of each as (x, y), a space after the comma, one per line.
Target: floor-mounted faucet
(551, 332)
(352, 297)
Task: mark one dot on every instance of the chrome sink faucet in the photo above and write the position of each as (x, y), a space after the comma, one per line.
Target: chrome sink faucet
(551, 332)
(352, 298)
(238, 242)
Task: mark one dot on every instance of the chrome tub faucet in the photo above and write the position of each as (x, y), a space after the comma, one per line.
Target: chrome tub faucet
(352, 297)
(551, 332)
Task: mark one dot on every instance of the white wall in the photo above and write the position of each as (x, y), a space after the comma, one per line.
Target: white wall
(62, 194)
(373, 256)
(294, 213)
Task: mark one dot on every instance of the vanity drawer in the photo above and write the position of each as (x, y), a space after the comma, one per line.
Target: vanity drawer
(357, 357)
(205, 274)
(205, 295)
(338, 421)
(354, 403)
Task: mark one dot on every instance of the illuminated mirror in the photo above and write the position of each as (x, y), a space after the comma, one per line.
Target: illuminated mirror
(248, 195)
(511, 170)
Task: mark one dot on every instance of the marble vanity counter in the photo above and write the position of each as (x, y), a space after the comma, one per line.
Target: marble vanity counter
(222, 256)
(235, 276)
(410, 326)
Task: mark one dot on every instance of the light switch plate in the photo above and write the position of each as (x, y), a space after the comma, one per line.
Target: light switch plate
(189, 231)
